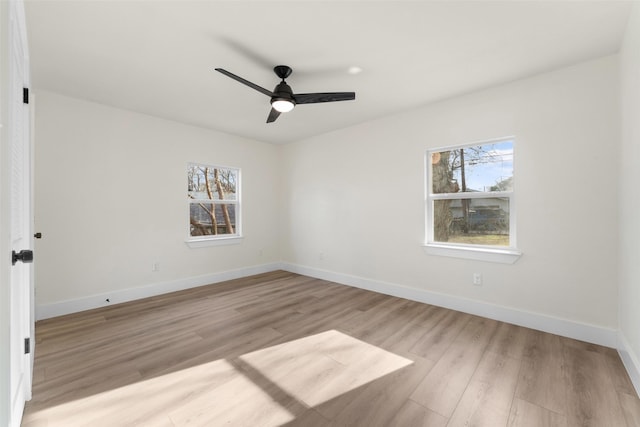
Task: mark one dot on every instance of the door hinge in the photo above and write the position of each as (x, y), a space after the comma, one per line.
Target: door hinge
(27, 345)
(25, 95)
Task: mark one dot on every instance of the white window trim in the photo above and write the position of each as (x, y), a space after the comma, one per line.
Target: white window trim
(222, 239)
(480, 253)
(499, 254)
(216, 241)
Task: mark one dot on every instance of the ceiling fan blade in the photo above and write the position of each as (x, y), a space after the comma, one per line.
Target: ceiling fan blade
(312, 98)
(248, 52)
(245, 82)
(273, 115)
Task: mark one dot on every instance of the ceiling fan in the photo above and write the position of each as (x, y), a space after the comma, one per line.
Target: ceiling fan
(283, 99)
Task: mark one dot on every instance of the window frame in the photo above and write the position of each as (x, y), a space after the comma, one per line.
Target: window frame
(220, 239)
(502, 254)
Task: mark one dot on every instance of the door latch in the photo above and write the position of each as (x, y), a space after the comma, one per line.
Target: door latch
(24, 255)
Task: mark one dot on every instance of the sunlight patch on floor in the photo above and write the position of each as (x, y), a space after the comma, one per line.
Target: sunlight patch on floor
(214, 393)
(320, 367)
(267, 387)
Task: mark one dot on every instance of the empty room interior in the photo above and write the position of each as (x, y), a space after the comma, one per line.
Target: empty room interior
(444, 231)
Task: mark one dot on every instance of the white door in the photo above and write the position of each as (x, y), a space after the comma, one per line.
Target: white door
(20, 216)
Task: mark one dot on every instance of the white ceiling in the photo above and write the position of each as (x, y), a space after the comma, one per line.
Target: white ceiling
(158, 57)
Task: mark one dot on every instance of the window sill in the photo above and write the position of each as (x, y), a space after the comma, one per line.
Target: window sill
(504, 256)
(218, 241)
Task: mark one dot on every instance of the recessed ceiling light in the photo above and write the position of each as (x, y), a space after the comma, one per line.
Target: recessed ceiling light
(354, 70)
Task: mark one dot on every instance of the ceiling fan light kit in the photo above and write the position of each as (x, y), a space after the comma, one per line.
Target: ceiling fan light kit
(283, 99)
(282, 105)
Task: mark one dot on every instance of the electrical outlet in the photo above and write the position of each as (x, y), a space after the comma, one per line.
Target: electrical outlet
(155, 266)
(477, 279)
(321, 255)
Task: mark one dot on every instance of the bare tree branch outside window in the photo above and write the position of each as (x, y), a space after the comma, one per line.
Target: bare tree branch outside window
(213, 200)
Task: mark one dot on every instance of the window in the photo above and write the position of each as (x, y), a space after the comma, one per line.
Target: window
(470, 199)
(214, 202)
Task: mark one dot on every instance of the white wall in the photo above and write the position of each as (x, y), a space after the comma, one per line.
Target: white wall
(629, 206)
(354, 198)
(111, 201)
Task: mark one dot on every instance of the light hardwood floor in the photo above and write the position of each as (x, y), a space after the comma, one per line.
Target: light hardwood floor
(284, 349)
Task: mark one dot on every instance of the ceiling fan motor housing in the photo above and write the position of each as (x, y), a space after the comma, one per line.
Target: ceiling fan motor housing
(283, 92)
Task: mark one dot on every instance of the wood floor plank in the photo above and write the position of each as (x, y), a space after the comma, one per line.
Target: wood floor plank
(618, 373)
(380, 326)
(331, 318)
(377, 402)
(371, 301)
(510, 340)
(57, 392)
(413, 415)
(406, 335)
(152, 365)
(230, 349)
(283, 349)
(542, 373)
(488, 397)
(132, 349)
(630, 408)
(444, 328)
(525, 414)
(308, 418)
(443, 387)
(241, 401)
(592, 397)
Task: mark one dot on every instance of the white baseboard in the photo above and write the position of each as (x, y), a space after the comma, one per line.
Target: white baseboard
(568, 328)
(630, 361)
(542, 322)
(46, 311)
